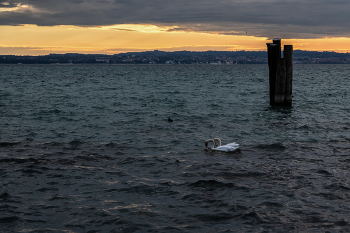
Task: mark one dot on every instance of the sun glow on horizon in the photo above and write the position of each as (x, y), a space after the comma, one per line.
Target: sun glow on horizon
(145, 28)
(113, 39)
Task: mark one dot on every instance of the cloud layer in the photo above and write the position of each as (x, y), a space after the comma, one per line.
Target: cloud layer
(265, 18)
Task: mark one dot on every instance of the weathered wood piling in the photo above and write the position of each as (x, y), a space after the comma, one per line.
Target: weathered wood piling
(280, 73)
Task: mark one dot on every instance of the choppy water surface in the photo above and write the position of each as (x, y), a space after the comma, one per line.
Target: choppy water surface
(90, 149)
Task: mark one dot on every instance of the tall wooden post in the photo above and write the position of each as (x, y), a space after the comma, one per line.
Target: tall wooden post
(277, 42)
(280, 83)
(288, 56)
(272, 60)
(280, 73)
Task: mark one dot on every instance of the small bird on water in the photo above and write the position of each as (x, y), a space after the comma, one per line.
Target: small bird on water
(170, 120)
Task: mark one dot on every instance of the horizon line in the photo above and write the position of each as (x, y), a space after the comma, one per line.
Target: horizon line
(318, 51)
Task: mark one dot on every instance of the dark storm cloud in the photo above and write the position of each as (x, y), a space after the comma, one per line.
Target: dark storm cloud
(289, 18)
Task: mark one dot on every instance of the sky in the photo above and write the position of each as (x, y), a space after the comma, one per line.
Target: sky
(40, 27)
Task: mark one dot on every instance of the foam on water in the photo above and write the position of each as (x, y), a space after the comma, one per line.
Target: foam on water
(90, 149)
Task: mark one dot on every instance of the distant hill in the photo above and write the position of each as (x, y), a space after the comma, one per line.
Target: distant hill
(177, 57)
(296, 53)
(157, 53)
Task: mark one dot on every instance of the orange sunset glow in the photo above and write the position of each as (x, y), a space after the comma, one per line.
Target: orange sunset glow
(108, 27)
(41, 40)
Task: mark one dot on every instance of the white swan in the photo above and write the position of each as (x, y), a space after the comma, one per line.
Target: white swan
(226, 148)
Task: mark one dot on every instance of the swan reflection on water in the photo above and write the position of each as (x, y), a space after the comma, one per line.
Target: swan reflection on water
(226, 148)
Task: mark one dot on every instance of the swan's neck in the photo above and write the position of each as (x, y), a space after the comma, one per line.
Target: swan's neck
(217, 140)
(212, 143)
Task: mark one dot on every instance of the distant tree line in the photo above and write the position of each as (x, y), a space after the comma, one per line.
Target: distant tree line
(178, 57)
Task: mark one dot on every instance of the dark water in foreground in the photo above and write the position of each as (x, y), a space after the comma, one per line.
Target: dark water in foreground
(89, 149)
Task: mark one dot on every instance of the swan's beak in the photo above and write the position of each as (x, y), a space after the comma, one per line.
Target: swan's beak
(206, 145)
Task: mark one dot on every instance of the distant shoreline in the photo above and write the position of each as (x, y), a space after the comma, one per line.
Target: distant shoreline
(180, 57)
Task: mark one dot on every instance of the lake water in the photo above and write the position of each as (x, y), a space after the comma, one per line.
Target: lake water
(88, 148)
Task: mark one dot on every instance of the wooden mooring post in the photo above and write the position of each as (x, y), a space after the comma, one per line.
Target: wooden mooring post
(280, 73)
